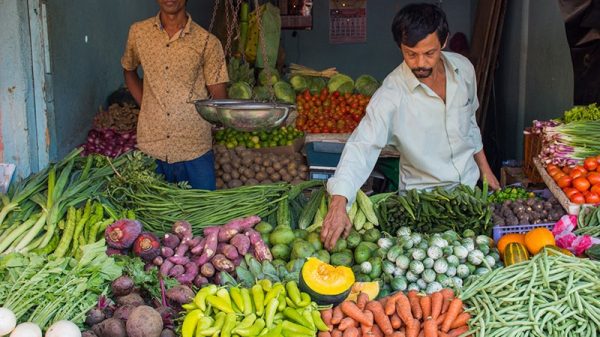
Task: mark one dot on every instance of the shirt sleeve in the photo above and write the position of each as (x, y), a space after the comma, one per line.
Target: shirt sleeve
(362, 149)
(215, 67)
(130, 59)
(475, 133)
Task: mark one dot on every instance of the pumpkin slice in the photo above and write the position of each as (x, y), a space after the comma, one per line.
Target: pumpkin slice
(515, 253)
(369, 288)
(325, 283)
(553, 250)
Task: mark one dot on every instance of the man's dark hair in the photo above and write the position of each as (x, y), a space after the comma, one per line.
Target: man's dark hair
(415, 21)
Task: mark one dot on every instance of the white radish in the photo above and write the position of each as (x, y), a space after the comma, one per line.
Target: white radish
(63, 329)
(26, 330)
(8, 321)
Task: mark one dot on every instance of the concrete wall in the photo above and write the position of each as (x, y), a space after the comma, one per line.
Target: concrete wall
(535, 76)
(380, 54)
(16, 88)
(87, 39)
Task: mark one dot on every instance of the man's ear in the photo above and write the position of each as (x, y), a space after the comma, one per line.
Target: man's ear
(446, 42)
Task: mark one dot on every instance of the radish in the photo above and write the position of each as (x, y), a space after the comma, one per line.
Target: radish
(8, 321)
(63, 329)
(26, 330)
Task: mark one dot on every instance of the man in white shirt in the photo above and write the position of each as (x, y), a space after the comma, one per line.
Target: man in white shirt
(425, 108)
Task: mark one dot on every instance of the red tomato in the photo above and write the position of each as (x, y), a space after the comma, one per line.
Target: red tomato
(577, 174)
(577, 198)
(564, 181)
(567, 169)
(552, 171)
(595, 189)
(592, 198)
(569, 191)
(581, 184)
(551, 167)
(590, 164)
(593, 178)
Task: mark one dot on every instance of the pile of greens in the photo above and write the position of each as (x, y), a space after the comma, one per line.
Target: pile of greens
(582, 113)
(44, 291)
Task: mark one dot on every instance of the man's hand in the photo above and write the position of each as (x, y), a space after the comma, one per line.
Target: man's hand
(336, 222)
(491, 179)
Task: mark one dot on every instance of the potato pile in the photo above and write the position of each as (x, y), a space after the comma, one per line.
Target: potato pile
(243, 167)
(117, 117)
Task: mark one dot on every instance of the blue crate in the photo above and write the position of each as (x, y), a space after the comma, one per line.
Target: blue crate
(499, 231)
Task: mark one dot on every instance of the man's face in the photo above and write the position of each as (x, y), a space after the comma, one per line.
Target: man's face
(423, 56)
(171, 6)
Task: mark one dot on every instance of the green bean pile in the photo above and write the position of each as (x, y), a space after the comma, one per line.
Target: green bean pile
(588, 221)
(555, 295)
(158, 204)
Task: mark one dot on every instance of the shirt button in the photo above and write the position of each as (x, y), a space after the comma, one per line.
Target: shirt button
(168, 45)
(167, 67)
(168, 136)
(168, 114)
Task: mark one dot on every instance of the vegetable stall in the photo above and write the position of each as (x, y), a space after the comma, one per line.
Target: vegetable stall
(100, 245)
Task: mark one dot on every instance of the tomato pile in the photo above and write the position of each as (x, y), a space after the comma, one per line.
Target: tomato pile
(581, 183)
(327, 112)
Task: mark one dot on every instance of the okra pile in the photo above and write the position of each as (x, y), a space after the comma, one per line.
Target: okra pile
(267, 309)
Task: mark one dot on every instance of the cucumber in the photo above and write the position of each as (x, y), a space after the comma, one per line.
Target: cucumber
(308, 213)
(283, 213)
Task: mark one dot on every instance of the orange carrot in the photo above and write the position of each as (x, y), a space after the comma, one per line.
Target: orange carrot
(350, 309)
(442, 334)
(383, 301)
(447, 293)
(421, 333)
(337, 316)
(403, 309)
(415, 306)
(436, 304)
(326, 316)
(413, 328)
(390, 304)
(362, 300)
(456, 307)
(336, 333)
(396, 321)
(380, 318)
(430, 328)
(351, 332)
(426, 305)
(440, 319)
(398, 334)
(458, 331)
(376, 331)
(323, 334)
(461, 320)
(347, 322)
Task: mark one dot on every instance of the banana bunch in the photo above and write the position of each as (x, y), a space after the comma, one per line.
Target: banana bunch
(240, 71)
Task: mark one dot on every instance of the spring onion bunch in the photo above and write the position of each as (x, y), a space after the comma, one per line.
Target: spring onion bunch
(569, 144)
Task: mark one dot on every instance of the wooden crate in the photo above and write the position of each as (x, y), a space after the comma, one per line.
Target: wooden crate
(532, 143)
(570, 207)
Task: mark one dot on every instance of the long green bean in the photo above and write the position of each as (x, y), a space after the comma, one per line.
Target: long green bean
(550, 295)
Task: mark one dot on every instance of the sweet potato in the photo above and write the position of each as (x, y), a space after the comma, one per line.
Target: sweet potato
(180, 294)
(222, 263)
(183, 230)
(200, 281)
(241, 242)
(178, 259)
(181, 249)
(199, 248)
(144, 322)
(158, 261)
(191, 271)
(176, 271)
(171, 241)
(261, 250)
(207, 270)
(210, 247)
(111, 327)
(228, 250)
(166, 267)
(194, 241)
(166, 251)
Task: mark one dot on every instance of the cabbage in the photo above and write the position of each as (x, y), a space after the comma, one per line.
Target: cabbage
(240, 90)
(341, 83)
(366, 85)
(268, 76)
(299, 83)
(284, 92)
(261, 93)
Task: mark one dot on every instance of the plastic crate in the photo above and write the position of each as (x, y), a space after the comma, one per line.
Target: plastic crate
(499, 231)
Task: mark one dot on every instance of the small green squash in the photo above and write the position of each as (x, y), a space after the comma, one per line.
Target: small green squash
(515, 253)
(324, 283)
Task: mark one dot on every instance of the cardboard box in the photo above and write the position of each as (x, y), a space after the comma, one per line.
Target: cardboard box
(570, 207)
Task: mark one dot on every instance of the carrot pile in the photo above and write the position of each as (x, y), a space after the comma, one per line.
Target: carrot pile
(399, 315)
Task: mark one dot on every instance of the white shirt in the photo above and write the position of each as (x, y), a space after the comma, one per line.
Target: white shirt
(436, 140)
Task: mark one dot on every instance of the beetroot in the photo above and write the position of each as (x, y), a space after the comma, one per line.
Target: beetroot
(114, 251)
(94, 316)
(122, 286)
(122, 233)
(167, 333)
(146, 246)
(123, 312)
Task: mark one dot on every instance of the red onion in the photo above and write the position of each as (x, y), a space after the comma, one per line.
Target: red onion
(109, 142)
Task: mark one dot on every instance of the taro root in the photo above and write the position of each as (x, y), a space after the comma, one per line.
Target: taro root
(146, 246)
(122, 286)
(122, 233)
(111, 327)
(144, 322)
